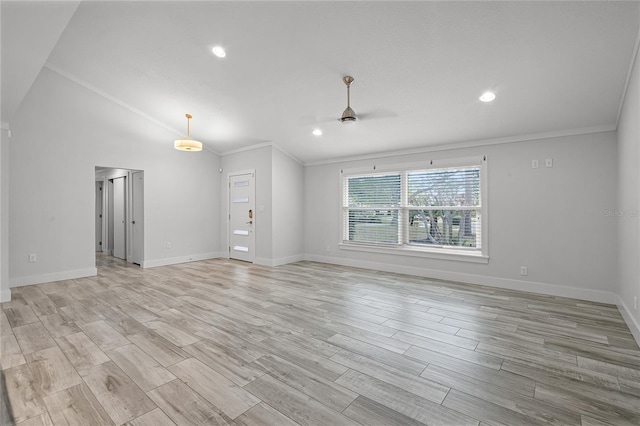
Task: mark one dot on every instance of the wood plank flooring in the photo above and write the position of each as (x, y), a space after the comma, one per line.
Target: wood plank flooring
(222, 342)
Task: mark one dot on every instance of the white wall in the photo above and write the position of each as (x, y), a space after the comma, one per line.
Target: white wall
(5, 293)
(548, 219)
(288, 209)
(628, 205)
(258, 159)
(59, 134)
(280, 190)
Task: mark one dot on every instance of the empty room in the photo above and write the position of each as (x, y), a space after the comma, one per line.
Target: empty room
(320, 213)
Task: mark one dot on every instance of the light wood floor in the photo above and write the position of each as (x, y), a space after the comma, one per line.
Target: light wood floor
(222, 342)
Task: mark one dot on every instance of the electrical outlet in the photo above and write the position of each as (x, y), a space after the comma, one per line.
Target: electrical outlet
(328, 249)
(33, 258)
(168, 245)
(534, 164)
(524, 271)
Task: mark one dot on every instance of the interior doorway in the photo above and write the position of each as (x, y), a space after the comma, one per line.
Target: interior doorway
(119, 214)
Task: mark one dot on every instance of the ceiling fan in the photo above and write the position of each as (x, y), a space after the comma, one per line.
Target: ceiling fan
(349, 115)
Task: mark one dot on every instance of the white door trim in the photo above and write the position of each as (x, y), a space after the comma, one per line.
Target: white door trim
(120, 217)
(103, 212)
(136, 212)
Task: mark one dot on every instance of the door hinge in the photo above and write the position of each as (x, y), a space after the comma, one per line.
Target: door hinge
(229, 217)
(229, 249)
(100, 243)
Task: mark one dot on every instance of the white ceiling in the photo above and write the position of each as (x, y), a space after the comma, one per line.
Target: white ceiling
(418, 66)
(29, 31)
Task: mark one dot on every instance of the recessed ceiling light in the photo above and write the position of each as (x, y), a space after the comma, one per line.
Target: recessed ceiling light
(219, 52)
(317, 132)
(487, 96)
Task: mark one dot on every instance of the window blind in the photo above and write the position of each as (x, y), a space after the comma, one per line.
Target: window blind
(435, 208)
(372, 208)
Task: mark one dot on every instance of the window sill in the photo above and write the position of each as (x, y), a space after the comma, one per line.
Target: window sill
(440, 254)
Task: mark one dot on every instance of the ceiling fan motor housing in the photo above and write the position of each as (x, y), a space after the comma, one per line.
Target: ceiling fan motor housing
(348, 115)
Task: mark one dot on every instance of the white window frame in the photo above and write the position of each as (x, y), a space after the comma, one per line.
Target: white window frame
(463, 254)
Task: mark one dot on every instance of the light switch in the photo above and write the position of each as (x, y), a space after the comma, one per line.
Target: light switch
(548, 162)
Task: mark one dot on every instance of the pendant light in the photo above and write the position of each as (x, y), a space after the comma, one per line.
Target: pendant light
(187, 144)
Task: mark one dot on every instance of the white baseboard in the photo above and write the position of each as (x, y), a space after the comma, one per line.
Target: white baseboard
(289, 259)
(5, 295)
(505, 283)
(180, 259)
(280, 261)
(54, 276)
(629, 318)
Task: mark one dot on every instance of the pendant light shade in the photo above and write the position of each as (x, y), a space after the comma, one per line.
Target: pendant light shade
(187, 144)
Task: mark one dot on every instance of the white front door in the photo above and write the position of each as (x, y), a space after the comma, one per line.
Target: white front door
(137, 217)
(242, 217)
(119, 216)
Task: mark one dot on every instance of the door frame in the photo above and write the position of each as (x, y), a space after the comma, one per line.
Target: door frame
(106, 247)
(99, 215)
(131, 206)
(228, 206)
(121, 203)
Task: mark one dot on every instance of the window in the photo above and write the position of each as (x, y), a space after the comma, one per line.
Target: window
(434, 208)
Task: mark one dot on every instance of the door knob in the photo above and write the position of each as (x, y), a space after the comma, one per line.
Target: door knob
(250, 222)
(133, 221)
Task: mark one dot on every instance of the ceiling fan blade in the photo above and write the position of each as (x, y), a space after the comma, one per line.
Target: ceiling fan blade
(377, 114)
(309, 121)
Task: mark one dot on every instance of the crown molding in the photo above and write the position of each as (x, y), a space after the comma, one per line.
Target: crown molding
(263, 145)
(115, 100)
(468, 144)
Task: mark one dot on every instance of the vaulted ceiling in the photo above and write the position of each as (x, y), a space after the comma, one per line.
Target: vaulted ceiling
(419, 68)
